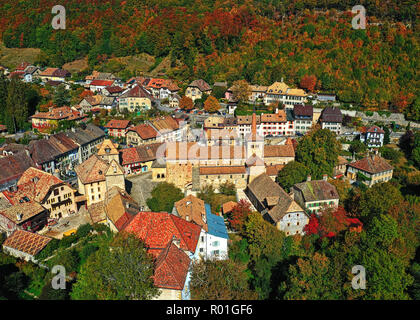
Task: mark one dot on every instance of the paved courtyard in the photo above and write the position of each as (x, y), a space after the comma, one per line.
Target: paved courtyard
(140, 188)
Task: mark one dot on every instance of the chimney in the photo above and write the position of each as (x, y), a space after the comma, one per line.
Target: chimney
(127, 205)
(176, 241)
(325, 177)
(281, 79)
(308, 178)
(277, 110)
(19, 216)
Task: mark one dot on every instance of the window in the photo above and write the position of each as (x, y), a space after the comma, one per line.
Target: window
(215, 243)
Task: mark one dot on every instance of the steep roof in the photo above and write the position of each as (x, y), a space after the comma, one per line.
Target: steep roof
(157, 229)
(201, 85)
(331, 114)
(140, 153)
(171, 268)
(37, 183)
(85, 136)
(372, 164)
(13, 166)
(27, 242)
(92, 170)
(192, 209)
(280, 116)
(107, 147)
(145, 131)
(316, 190)
(43, 151)
(136, 92)
(120, 207)
(271, 195)
(165, 124)
(27, 210)
(102, 83)
(372, 129)
(303, 110)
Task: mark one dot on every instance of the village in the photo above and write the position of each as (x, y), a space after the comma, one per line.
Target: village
(125, 139)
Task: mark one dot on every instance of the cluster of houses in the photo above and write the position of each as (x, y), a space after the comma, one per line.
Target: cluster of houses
(34, 191)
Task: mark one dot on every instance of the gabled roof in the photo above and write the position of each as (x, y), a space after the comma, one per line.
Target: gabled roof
(42, 151)
(316, 190)
(145, 131)
(137, 92)
(118, 124)
(37, 183)
(165, 124)
(114, 89)
(303, 110)
(27, 210)
(331, 114)
(171, 268)
(139, 154)
(372, 129)
(85, 136)
(157, 229)
(372, 164)
(280, 116)
(120, 207)
(102, 83)
(192, 209)
(107, 147)
(12, 167)
(27, 242)
(275, 200)
(201, 85)
(92, 170)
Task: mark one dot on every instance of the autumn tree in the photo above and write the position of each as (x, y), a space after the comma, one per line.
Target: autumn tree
(211, 105)
(164, 195)
(186, 103)
(241, 91)
(308, 82)
(239, 215)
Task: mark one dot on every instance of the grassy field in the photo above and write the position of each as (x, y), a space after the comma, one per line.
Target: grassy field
(12, 57)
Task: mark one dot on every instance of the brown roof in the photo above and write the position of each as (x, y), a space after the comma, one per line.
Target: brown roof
(317, 190)
(145, 131)
(165, 124)
(26, 209)
(107, 147)
(137, 92)
(280, 116)
(268, 193)
(192, 209)
(373, 164)
(286, 150)
(92, 170)
(27, 242)
(201, 85)
(303, 110)
(331, 114)
(120, 207)
(192, 151)
(247, 119)
(274, 169)
(97, 212)
(228, 206)
(139, 154)
(12, 167)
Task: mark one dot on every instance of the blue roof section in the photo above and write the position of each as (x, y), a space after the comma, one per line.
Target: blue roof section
(216, 224)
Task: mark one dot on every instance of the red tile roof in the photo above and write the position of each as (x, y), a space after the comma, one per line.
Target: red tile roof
(145, 131)
(102, 83)
(118, 124)
(27, 242)
(157, 229)
(171, 268)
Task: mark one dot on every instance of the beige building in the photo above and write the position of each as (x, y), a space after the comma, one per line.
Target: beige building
(196, 89)
(95, 176)
(141, 134)
(315, 195)
(136, 99)
(49, 191)
(370, 170)
(108, 151)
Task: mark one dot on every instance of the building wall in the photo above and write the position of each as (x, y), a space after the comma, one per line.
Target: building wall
(133, 139)
(293, 223)
(158, 174)
(132, 103)
(239, 180)
(169, 294)
(60, 202)
(94, 192)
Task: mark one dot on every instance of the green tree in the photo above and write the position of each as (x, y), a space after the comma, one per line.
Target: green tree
(164, 195)
(318, 151)
(292, 173)
(61, 96)
(121, 271)
(220, 280)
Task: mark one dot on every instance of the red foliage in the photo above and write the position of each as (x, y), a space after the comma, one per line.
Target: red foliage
(239, 215)
(308, 82)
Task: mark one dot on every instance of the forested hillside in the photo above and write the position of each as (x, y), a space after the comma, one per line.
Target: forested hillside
(261, 41)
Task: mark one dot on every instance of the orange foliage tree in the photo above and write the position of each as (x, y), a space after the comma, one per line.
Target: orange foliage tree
(211, 104)
(186, 103)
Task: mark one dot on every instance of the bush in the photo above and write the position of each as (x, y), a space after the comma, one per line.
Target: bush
(48, 250)
(87, 251)
(84, 230)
